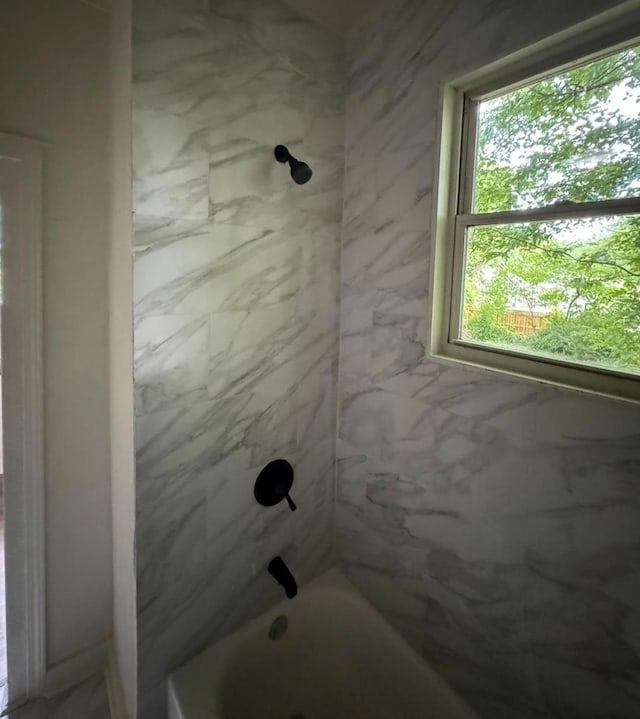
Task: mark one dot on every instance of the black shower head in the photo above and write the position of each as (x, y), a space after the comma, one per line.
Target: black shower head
(300, 171)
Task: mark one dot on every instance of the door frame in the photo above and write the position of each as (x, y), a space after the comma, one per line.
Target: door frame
(21, 161)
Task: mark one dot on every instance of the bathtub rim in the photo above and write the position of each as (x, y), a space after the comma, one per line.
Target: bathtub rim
(211, 665)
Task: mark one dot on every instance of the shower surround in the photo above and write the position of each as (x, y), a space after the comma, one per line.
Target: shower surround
(495, 523)
(236, 282)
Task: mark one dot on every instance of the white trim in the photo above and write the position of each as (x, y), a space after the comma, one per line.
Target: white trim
(96, 660)
(557, 211)
(21, 182)
(115, 692)
(32, 710)
(75, 669)
(599, 36)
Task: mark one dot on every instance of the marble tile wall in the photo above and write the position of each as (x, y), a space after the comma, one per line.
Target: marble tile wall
(236, 285)
(495, 523)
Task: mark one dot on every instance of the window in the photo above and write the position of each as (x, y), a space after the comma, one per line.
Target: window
(538, 237)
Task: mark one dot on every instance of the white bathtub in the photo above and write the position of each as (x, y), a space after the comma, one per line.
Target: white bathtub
(337, 659)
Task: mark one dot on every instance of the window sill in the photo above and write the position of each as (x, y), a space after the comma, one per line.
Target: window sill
(515, 367)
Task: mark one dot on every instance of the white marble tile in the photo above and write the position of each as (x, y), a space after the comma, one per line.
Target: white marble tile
(493, 522)
(248, 187)
(181, 450)
(398, 345)
(170, 548)
(171, 361)
(180, 190)
(573, 420)
(395, 432)
(162, 139)
(275, 366)
(170, 166)
(394, 262)
(179, 57)
(434, 384)
(404, 188)
(236, 311)
(155, 233)
(231, 268)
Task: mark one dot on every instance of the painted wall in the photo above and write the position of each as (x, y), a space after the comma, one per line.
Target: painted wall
(236, 312)
(121, 362)
(495, 523)
(54, 83)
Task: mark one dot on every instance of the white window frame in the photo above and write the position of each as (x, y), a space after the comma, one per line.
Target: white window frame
(22, 408)
(597, 37)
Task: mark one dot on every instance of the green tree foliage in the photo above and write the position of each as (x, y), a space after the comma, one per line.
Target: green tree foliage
(574, 137)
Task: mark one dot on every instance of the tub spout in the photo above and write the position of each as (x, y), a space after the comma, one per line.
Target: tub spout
(280, 572)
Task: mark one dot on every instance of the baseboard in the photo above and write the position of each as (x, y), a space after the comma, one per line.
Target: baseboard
(32, 710)
(76, 669)
(114, 686)
(98, 659)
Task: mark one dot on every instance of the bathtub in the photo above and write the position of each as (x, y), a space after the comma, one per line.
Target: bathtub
(327, 654)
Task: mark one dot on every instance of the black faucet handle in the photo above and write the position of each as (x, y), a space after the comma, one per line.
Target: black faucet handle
(274, 483)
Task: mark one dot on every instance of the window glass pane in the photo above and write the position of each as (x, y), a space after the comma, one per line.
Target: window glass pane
(572, 137)
(568, 289)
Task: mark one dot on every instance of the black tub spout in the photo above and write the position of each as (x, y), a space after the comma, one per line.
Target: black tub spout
(280, 572)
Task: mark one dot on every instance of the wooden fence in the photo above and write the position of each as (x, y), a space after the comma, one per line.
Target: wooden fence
(523, 322)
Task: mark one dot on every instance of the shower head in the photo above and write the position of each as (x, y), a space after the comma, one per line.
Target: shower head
(300, 171)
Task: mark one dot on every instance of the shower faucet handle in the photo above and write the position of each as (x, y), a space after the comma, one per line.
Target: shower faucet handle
(290, 502)
(274, 484)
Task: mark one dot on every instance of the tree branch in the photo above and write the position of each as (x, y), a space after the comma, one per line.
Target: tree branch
(582, 261)
(575, 298)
